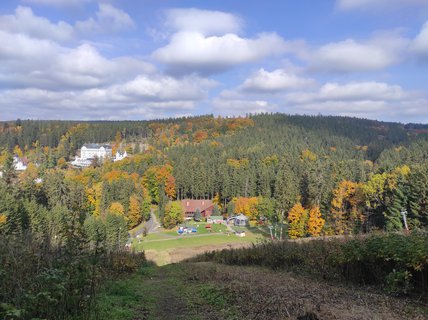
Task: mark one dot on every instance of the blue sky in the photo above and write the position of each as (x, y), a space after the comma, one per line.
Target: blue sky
(111, 59)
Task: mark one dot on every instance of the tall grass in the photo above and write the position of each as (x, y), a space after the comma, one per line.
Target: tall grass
(38, 281)
(396, 262)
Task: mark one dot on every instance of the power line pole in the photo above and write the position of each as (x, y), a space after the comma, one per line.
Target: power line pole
(404, 214)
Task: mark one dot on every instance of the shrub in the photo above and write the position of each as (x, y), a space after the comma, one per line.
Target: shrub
(396, 262)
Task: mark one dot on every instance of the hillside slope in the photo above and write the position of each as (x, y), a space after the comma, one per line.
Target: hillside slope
(214, 291)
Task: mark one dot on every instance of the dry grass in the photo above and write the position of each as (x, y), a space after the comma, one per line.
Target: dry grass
(264, 294)
(175, 255)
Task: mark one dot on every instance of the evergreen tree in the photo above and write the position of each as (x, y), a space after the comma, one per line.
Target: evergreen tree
(116, 231)
(9, 173)
(197, 216)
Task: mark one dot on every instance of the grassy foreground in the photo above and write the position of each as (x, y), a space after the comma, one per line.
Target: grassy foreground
(207, 290)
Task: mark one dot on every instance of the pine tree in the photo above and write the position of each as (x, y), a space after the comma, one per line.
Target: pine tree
(197, 216)
(395, 203)
(116, 231)
(9, 173)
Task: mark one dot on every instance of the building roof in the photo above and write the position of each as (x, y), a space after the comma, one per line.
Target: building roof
(190, 205)
(96, 146)
(241, 217)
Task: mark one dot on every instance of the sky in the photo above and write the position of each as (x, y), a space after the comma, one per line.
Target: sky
(150, 59)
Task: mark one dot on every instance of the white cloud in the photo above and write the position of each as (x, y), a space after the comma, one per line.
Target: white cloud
(375, 100)
(236, 107)
(382, 51)
(145, 96)
(355, 91)
(25, 22)
(347, 5)
(278, 80)
(38, 63)
(207, 42)
(109, 19)
(193, 52)
(21, 51)
(203, 21)
(165, 88)
(420, 43)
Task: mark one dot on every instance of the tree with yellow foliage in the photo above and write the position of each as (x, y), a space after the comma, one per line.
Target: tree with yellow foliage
(3, 219)
(17, 150)
(297, 219)
(315, 222)
(346, 207)
(247, 206)
(174, 214)
(117, 208)
(134, 214)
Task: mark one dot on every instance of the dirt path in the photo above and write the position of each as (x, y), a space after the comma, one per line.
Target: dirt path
(214, 291)
(168, 303)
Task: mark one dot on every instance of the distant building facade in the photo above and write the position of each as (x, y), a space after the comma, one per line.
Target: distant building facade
(190, 206)
(20, 164)
(93, 150)
(120, 156)
(88, 152)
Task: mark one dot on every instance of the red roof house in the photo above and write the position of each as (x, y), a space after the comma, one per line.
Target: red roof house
(190, 206)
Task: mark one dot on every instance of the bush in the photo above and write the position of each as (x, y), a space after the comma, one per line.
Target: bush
(398, 263)
(38, 281)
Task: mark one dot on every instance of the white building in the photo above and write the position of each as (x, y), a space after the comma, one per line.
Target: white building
(91, 151)
(120, 156)
(20, 164)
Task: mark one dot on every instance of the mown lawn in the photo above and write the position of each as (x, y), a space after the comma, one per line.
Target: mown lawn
(188, 241)
(200, 227)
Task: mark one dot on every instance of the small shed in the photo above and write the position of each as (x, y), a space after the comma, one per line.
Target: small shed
(241, 221)
(215, 219)
(240, 233)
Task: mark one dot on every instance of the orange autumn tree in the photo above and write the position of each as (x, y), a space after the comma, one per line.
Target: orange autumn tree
(156, 176)
(315, 222)
(247, 206)
(346, 203)
(134, 213)
(164, 175)
(297, 219)
(200, 135)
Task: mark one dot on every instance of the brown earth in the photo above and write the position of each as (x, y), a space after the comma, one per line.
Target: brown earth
(264, 294)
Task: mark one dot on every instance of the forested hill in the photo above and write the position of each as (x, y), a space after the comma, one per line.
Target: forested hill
(276, 160)
(377, 135)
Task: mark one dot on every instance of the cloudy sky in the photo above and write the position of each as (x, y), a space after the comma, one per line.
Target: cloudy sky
(146, 59)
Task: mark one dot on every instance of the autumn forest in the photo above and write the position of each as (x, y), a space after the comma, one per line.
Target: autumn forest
(309, 175)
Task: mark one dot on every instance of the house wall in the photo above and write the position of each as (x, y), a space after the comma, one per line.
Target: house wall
(86, 153)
